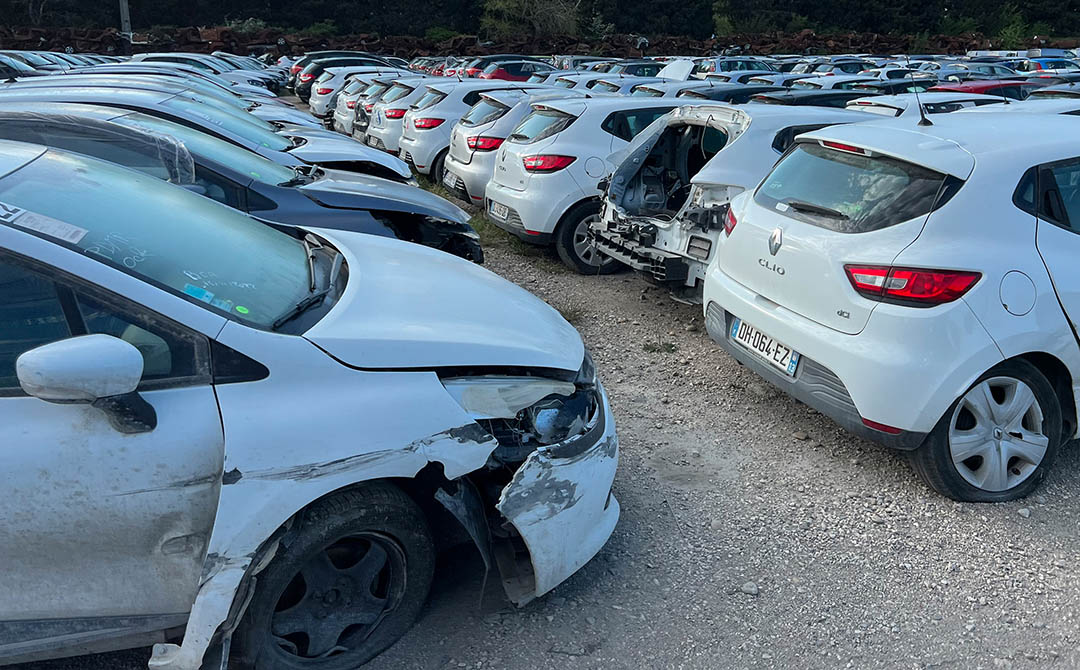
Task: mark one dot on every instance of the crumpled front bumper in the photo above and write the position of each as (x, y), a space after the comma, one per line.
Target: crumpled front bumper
(561, 504)
(631, 244)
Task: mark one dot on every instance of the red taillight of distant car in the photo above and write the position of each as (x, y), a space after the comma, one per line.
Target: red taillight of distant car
(729, 222)
(482, 143)
(350, 104)
(911, 286)
(427, 123)
(394, 113)
(307, 76)
(546, 162)
(324, 91)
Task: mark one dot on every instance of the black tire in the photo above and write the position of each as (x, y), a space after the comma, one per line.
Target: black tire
(933, 460)
(375, 513)
(568, 242)
(438, 168)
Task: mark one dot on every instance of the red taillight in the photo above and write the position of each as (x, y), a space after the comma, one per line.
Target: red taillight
(729, 221)
(368, 106)
(350, 104)
(307, 77)
(840, 146)
(427, 123)
(546, 162)
(394, 113)
(482, 143)
(294, 69)
(881, 427)
(911, 286)
(323, 91)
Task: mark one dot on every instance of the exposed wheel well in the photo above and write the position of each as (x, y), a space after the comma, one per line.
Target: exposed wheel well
(1061, 380)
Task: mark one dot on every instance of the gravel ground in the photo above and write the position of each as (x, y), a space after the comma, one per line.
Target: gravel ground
(755, 533)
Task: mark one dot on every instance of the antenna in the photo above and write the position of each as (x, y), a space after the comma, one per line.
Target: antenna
(923, 121)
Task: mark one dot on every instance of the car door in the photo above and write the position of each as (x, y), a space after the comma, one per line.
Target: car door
(97, 524)
(1058, 227)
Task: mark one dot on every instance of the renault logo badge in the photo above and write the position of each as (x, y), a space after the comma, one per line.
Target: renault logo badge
(775, 240)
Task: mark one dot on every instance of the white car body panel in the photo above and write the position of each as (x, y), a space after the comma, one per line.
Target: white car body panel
(385, 133)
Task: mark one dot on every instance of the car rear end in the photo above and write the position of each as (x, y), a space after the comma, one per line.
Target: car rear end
(423, 128)
(386, 120)
(322, 94)
(475, 140)
(345, 108)
(804, 289)
(365, 105)
(529, 154)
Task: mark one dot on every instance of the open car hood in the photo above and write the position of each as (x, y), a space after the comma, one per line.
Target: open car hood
(348, 190)
(409, 306)
(320, 148)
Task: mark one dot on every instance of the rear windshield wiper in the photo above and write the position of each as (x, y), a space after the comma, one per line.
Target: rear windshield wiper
(810, 207)
(518, 136)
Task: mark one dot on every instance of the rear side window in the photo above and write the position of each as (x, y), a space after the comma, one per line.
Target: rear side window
(432, 97)
(1056, 190)
(485, 111)
(851, 193)
(786, 137)
(626, 125)
(397, 92)
(541, 124)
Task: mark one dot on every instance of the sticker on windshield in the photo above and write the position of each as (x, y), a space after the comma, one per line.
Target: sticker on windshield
(46, 225)
(241, 309)
(198, 293)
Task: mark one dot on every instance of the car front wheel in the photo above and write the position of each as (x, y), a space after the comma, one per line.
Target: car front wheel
(996, 442)
(346, 583)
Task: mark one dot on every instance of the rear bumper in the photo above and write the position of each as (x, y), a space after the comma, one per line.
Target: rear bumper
(421, 153)
(386, 139)
(513, 225)
(474, 175)
(813, 384)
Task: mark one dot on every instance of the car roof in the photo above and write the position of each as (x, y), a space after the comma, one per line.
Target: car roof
(977, 85)
(955, 141)
(903, 100)
(107, 93)
(578, 106)
(1036, 106)
(14, 155)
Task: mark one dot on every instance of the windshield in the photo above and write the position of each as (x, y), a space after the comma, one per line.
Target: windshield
(15, 64)
(200, 144)
(848, 192)
(540, 124)
(397, 92)
(485, 111)
(230, 124)
(185, 243)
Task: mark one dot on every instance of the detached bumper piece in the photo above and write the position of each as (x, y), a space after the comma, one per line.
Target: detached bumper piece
(658, 266)
(813, 384)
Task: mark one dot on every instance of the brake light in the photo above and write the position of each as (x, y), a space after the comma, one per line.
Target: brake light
(394, 113)
(729, 221)
(324, 91)
(482, 143)
(294, 69)
(368, 106)
(911, 286)
(546, 162)
(840, 146)
(350, 104)
(427, 123)
(307, 77)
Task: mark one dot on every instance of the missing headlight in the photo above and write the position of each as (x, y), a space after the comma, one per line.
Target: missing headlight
(547, 422)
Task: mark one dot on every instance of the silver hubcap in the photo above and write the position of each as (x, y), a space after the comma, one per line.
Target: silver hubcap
(996, 438)
(583, 247)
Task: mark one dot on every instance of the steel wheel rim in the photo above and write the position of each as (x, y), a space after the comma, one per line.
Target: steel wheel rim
(996, 438)
(583, 247)
(339, 597)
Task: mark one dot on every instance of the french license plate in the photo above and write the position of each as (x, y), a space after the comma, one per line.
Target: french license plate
(779, 356)
(449, 179)
(499, 211)
(372, 141)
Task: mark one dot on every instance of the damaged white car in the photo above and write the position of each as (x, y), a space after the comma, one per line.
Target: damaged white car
(242, 444)
(666, 202)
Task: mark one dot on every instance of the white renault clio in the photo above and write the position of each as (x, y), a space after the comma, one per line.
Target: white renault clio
(919, 285)
(214, 427)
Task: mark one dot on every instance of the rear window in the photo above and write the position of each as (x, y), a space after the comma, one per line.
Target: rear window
(397, 92)
(691, 94)
(607, 86)
(562, 82)
(803, 83)
(850, 193)
(353, 87)
(537, 78)
(374, 90)
(541, 124)
(644, 92)
(428, 99)
(758, 80)
(491, 68)
(485, 111)
(325, 76)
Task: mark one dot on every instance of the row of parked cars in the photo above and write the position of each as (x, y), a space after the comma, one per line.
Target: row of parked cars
(891, 251)
(253, 379)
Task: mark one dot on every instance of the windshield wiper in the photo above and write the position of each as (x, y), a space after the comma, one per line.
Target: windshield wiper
(301, 176)
(810, 207)
(518, 136)
(316, 298)
(310, 245)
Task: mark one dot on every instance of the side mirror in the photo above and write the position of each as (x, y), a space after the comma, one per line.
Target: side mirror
(101, 370)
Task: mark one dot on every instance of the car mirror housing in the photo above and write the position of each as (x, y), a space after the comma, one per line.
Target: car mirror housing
(101, 370)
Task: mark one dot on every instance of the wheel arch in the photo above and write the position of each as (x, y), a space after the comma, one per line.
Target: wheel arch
(570, 208)
(1061, 380)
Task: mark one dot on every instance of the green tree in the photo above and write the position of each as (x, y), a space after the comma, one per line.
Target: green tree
(535, 18)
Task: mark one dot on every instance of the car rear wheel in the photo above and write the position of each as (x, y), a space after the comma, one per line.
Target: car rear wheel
(997, 441)
(574, 246)
(438, 168)
(347, 582)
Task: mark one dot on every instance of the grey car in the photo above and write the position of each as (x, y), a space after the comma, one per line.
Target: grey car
(302, 196)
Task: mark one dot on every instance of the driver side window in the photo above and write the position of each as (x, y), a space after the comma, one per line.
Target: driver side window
(36, 310)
